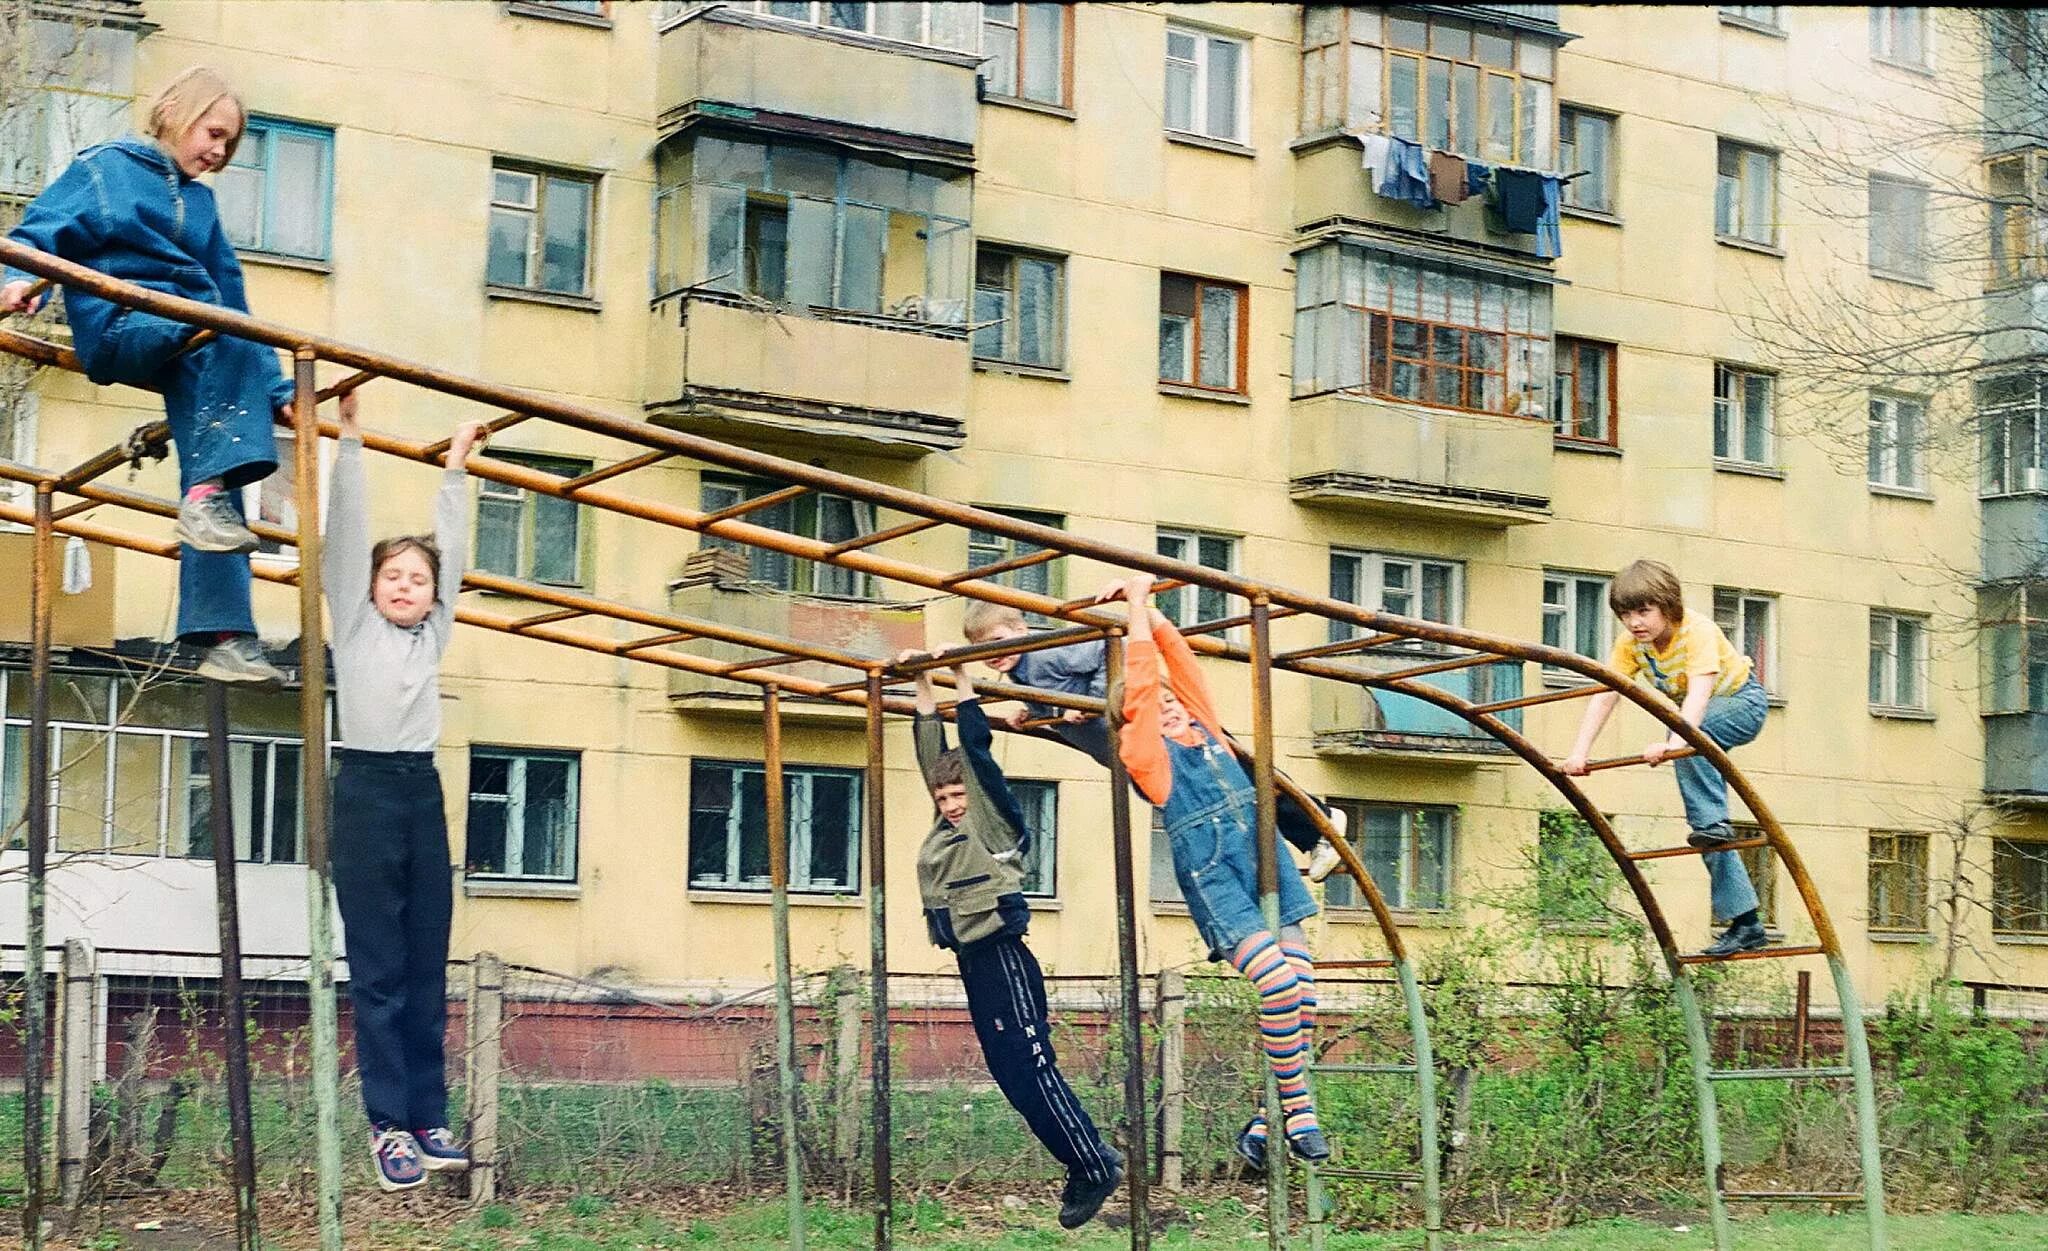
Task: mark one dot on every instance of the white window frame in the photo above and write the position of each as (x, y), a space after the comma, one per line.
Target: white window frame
(1198, 106)
(1760, 17)
(1886, 24)
(1915, 267)
(1735, 610)
(1732, 384)
(1186, 606)
(488, 491)
(1890, 661)
(1370, 580)
(800, 576)
(799, 818)
(1731, 190)
(1564, 611)
(514, 803)
(259, 140)
(1569, 115)
(1400, 896)
(1040, 800)
(1885, 465)
(535, 210)
(277, 495)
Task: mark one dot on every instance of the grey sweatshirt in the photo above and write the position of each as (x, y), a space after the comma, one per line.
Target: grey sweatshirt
(387, 677)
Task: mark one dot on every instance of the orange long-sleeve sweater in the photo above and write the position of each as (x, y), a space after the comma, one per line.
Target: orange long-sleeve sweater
(1143, 743)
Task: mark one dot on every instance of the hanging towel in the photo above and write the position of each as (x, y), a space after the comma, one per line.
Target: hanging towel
(1407, 176)
(1521, 199)
(1549, 227)
(1374, 159)
(1447, 178)
(1477, 177)
(77, 567)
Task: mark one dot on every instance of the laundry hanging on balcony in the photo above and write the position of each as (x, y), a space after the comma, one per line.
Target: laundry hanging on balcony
(1398, 169)
(1449, 181)
(1529, 204)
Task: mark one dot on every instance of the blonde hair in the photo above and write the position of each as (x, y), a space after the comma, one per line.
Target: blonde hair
(1644, 583)
(982, 619)
(185, 99)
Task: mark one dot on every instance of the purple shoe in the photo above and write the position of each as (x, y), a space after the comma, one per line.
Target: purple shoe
(439, 1152)
(397, 1158)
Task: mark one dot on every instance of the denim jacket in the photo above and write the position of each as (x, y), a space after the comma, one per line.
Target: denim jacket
(126, 209)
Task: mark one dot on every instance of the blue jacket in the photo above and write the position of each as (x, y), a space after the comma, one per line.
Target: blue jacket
(125, 209)
(1076, 669)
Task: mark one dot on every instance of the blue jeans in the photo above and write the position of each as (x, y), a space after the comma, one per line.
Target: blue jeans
(1731, 721)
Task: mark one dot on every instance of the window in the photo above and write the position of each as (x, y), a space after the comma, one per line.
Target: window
(1473, 88)
(540, 230)
(1574, 873)
(729, 827)
(1201, 333)
(2019, 886)
(1761, 863)
(1899, 37)
(1048, 577)
(522, 814)
(1041, 804)
(1898, 436)
(815, 227)
(2013, 647)
(277, 195)
(1746, 194)
(1206, 84)
(1750, 620)
(813, 515)
(1027, 50)
(1898, 882)
(525, 534)
(1898, 228)
(2012, 430)
(1576, 616)
(1406, 849)
(1585, 142)
(596, 9)
(1898, 661)
(1391, 326)
(275, 499)
(1583, 406)
(18, 437)
(2019, 227)
(1744, 426)
(1762, 16)
(942, 25)
(1020, 308)
(1406, 586)
(1187, 605)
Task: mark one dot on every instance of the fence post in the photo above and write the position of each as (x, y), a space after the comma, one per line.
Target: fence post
(846, 1067)
(76, 1036)
(1173, 1090)
(485, 1022)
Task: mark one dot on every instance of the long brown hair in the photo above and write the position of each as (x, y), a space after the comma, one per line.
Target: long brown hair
(400, 543)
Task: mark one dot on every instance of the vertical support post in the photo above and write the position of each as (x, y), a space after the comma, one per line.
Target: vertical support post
(233, 1008)
(1138, 1169)
(785, 995)
(845, 1067)
(1425, 1094)
(1269, 900)
(1173, 1088)
(878, 973)
(1702, 1052)
(77, 1039)
(35, 1025)
(485, 1026)
(1801, 1014)
(1858, 1043)
(315, 809)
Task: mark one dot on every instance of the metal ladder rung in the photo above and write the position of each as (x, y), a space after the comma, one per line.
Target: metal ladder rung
(1659, 853)
(1370, 1174)
(1361, 1068)
(1779, 1075)
(1381, 963)
(1793, 1196)
(1761, 953)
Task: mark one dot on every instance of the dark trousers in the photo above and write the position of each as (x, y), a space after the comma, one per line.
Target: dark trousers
(391, 877)
(1006, 997)
(1091, 737)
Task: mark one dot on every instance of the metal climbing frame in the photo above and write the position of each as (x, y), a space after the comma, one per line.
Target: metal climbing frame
(866, 686)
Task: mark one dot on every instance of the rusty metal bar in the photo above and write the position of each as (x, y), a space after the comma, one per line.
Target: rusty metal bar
(1322, 965)
(1265, 835)
(1623, 762)
(433, 452)
(156, 434)
(1338, 647)
(595, 476)
(1801, 1010)
(1138, 1168)
(765, 662)
(35, 994)
(1665, 853)
(40, 351)
(1761, 953)
(1064, 607)
(1548, 697)
(659, 640)
(878, 972)
(1441, 666)
(35, 289)
(346, 385)
(756, 504)
(1002, 566)
(233, 1004)
(785, 994)
(547, 618)
(1222, 624)
(905, 530)
(953, 657)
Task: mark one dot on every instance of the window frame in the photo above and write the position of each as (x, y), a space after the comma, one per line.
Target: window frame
(1897, 916)
(1761, 863)
(1740, 15)
(1175, 604)
(498, 493)
(1039, 798)
(986, 547)
(803, 575)
(264, 131)
(1567, 348)
(1241, 354)
(1730, 406)
(1588, 907)
(1021, 12)
(2018, 225)
(1886, 441)
(1570, 581)
(1011, 258)
(1885, 26)
(798, 814)
(2032, 854)
(1731, 229)
(1888, 662)
(257, 496)
(2012, 626)
(1198, 105)
(1568, 115)
(2002, 462)
(1371, 570)
(1764, 659)
(515, 804)
(1916, 269)
(543, 174)
(1410, 853)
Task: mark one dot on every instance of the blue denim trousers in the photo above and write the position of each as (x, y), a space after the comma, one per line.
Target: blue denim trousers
(1731, 721)
(1212, 827)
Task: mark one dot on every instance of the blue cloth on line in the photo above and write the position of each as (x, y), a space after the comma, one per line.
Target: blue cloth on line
(1406, 177)
(1530, 204)
(1477, 176)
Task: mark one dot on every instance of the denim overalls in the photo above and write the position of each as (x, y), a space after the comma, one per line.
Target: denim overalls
(1212, 818)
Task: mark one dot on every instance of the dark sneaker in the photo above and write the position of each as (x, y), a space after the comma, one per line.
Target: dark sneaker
(439, 1152)
(1711, 837)
(1736, 938)
(397, 1157)
(1084, 1198)
(1310, 1145)
(212, 524)
(1251, 1148)
(239, 659)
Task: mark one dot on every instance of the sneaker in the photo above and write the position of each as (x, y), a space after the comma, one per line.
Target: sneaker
(1711, 837)
(1083, 1198)
(397, 1158)
(1736, 938)
(1310, 1145)
(239, 659)
(1325, 860)
(1251, 1148)
(439, 1152)
(212, 524)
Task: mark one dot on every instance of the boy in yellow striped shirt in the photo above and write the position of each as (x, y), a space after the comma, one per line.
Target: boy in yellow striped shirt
(1690, 660)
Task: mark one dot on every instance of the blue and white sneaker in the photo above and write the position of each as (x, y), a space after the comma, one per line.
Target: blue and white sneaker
(439, 1152)
(397, 1158)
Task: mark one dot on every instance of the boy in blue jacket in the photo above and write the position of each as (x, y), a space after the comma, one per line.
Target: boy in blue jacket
(134, 210)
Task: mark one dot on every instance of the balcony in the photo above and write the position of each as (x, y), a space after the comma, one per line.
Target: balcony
(866, 629)
(718, 63)
(1332, 188)
(1356, 721)
(2016, 757)
(2015, 532)
(1380, 456)
(805, 381)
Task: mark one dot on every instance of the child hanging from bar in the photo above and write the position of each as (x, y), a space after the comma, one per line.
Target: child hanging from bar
(970, 873)
(1083, 669)
(1686, 656)
(393, 607)
(133, 209)
(1179, 757)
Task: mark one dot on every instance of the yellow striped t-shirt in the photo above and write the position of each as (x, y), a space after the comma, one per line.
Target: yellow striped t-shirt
(1697, 646)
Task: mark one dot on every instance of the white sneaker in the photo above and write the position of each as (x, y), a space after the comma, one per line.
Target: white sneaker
(1325, 860)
